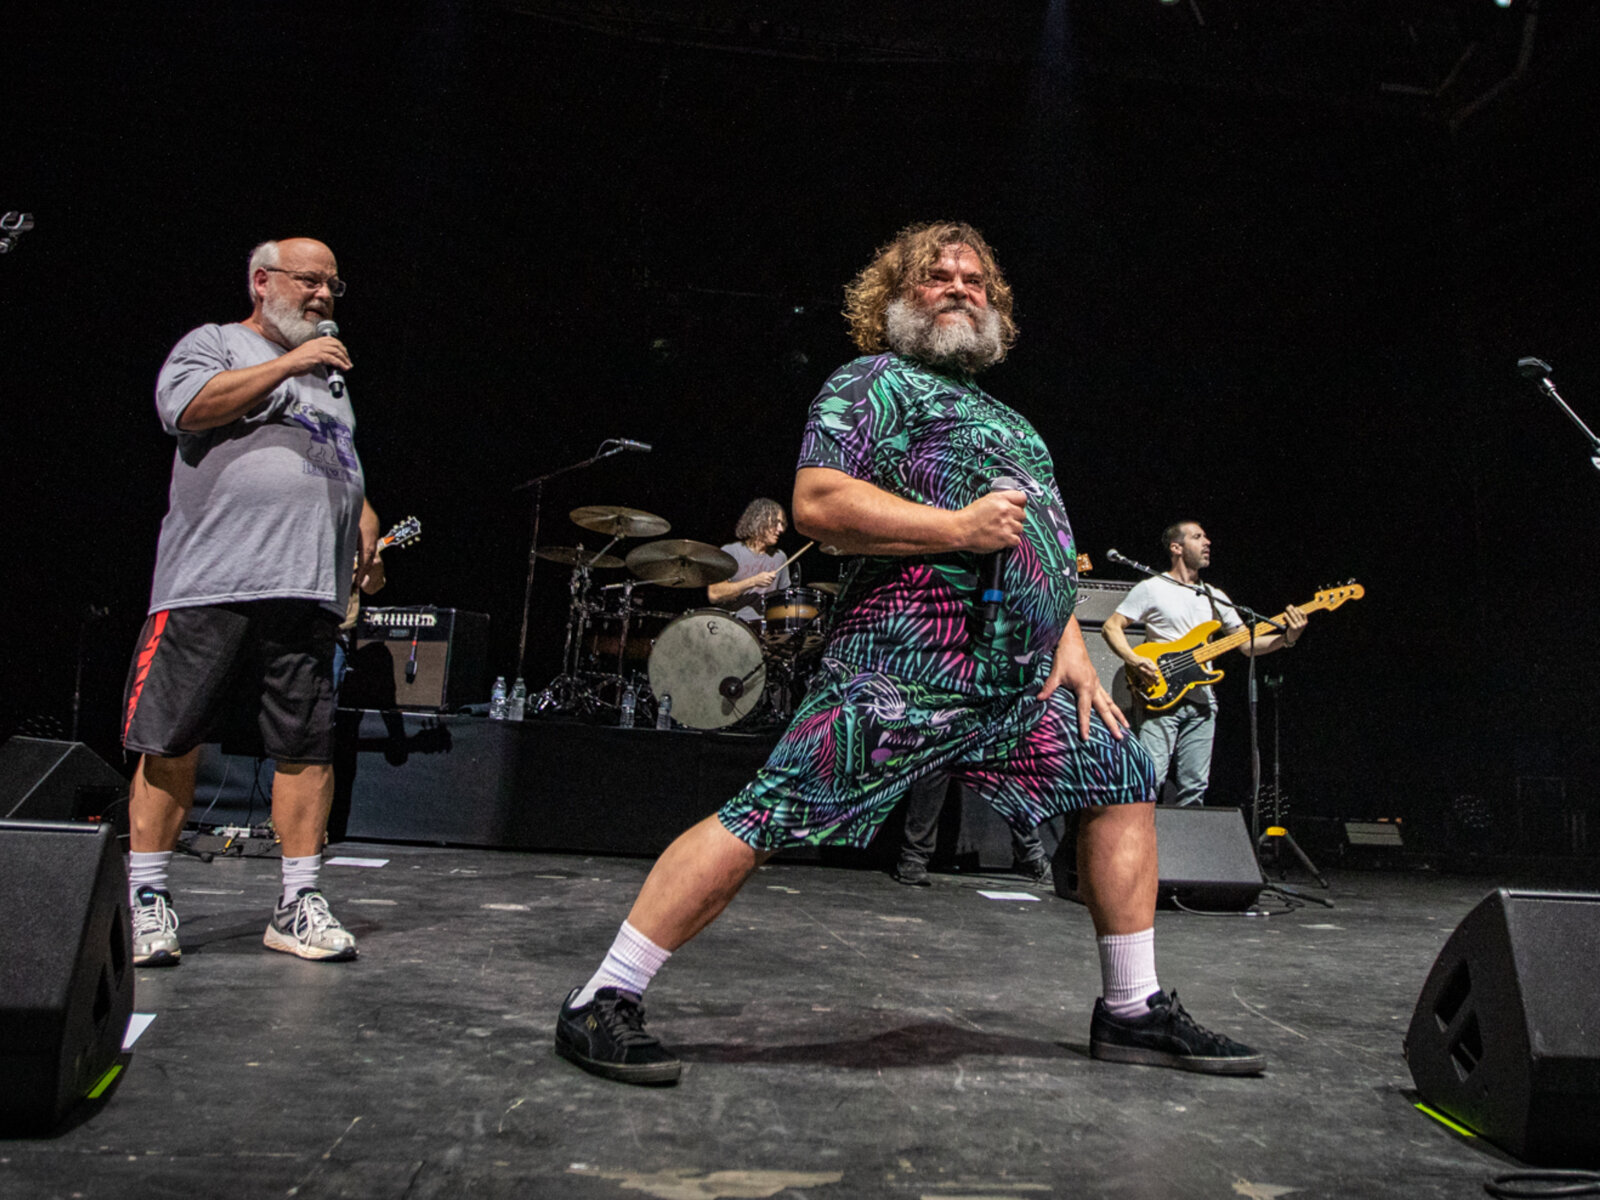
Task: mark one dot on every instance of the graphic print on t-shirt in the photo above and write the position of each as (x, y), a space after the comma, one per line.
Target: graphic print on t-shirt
(332, 454)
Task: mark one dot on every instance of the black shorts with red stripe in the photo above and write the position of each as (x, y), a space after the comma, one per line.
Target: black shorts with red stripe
(257, 676)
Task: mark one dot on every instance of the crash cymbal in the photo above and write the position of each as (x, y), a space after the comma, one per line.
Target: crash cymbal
(831, 588)
(577, 556)
(678, 562)
(620, 522)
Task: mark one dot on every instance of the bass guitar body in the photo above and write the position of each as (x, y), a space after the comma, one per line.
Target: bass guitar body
(1181, 671)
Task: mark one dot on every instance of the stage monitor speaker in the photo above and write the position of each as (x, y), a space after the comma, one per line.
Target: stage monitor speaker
(66, 967)
(48, 780)
(1505, 1038)
(425, 658)
(1204, 860)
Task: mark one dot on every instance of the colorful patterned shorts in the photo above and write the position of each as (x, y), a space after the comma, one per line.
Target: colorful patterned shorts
(860, 740)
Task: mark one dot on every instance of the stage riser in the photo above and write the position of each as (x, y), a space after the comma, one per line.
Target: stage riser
(540, 785)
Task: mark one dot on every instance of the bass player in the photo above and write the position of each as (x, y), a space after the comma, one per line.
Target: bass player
(1179, 739)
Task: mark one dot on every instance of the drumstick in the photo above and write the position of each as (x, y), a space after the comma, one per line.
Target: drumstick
(791, 561)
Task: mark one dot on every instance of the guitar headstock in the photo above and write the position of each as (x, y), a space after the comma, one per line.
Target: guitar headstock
(1332, 597)
(403, 534)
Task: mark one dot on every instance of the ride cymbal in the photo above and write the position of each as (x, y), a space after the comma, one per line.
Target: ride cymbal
(617, 521)
(577, 556)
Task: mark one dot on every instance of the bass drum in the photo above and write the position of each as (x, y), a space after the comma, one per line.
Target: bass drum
(710, 664)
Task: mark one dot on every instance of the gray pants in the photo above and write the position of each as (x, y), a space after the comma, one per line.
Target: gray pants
(1180, 743)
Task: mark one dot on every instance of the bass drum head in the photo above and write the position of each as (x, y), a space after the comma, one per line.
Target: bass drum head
(711, 666)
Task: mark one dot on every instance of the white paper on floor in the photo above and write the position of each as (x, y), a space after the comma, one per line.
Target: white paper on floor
(137, 1024)
(343, 861)
(1007, 895)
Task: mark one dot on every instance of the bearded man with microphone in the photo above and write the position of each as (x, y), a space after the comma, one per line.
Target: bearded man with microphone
(251, 580)
(939, 659)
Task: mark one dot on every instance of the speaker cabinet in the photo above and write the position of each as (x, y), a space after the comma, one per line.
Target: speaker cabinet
(44, 779)
(66, 967)
(1505, 1038)
(1112, 670)
(1204, 860)
(426, 658)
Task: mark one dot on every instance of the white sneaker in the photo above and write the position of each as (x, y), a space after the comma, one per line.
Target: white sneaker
(155, 929)
(305, 927)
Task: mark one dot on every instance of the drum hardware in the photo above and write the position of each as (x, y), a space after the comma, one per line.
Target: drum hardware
(605, 450)
(678, 562)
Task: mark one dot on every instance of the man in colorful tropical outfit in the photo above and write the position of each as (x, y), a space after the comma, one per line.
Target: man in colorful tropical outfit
(909, 465)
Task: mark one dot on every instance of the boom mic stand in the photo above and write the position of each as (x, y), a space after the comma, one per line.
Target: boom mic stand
(607, 448)
(1253, 621)
(1539, 371)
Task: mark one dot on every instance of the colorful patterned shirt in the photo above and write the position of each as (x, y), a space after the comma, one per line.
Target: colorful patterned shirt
(941, 440)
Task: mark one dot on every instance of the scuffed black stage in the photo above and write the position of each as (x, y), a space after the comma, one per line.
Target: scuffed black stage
(844, 1035)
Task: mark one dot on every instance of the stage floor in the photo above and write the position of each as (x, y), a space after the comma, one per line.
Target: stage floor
(844, 1036)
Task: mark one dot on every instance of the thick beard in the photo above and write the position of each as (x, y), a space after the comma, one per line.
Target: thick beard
(913, 331)
(287, 321)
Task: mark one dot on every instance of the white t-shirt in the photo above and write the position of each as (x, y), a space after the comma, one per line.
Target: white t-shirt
(1169, 610)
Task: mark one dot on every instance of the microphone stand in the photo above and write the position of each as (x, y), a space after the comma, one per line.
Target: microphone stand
(1539, 371)
(1253, 619)
(607, 448)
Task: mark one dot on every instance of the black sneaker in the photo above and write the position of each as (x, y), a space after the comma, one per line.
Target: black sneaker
(1168, 1037)
(912, 873)
(606, 1037)
(1037, 872)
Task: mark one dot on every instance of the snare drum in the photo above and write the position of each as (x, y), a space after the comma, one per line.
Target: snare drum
(711, 665)
(792, 611)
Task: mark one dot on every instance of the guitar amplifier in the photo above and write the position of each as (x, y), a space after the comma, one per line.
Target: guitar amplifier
(1098, 599)
(423, 657)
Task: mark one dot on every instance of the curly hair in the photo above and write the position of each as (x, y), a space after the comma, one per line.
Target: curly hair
(757, 516)
(907, 261)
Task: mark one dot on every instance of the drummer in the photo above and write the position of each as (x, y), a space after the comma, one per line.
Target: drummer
(762, 566)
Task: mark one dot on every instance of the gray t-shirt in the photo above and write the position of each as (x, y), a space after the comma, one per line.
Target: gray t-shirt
(751, 563)
(267, 507)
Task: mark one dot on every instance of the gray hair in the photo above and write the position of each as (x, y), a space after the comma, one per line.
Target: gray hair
(264, 255)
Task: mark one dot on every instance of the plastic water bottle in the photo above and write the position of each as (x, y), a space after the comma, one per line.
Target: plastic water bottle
(664, 711)
(629, 701)
(517, 706)
(497, 699)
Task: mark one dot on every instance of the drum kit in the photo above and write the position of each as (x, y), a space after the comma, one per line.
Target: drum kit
(719, 671)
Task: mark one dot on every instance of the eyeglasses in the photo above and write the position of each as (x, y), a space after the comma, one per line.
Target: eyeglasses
(312, 282)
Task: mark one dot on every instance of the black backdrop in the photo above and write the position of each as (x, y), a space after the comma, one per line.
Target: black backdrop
(1292, 320)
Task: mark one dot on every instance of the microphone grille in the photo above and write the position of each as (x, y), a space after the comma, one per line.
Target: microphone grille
(327, 329)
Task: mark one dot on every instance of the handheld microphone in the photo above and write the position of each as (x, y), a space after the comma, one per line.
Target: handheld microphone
(630, 444)
(991, 571)
(335, 379)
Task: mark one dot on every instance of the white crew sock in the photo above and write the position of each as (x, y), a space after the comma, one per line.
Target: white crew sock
(147, 869)
(1128, 972)
(630, 964)
(299, 873)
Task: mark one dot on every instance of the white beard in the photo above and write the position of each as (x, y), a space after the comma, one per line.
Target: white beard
(288, 321)
(915, 332)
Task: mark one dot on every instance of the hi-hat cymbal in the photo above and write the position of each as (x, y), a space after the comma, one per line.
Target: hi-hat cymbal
(831, 588)
(577, 556)
(620, 522)
(678, 562)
